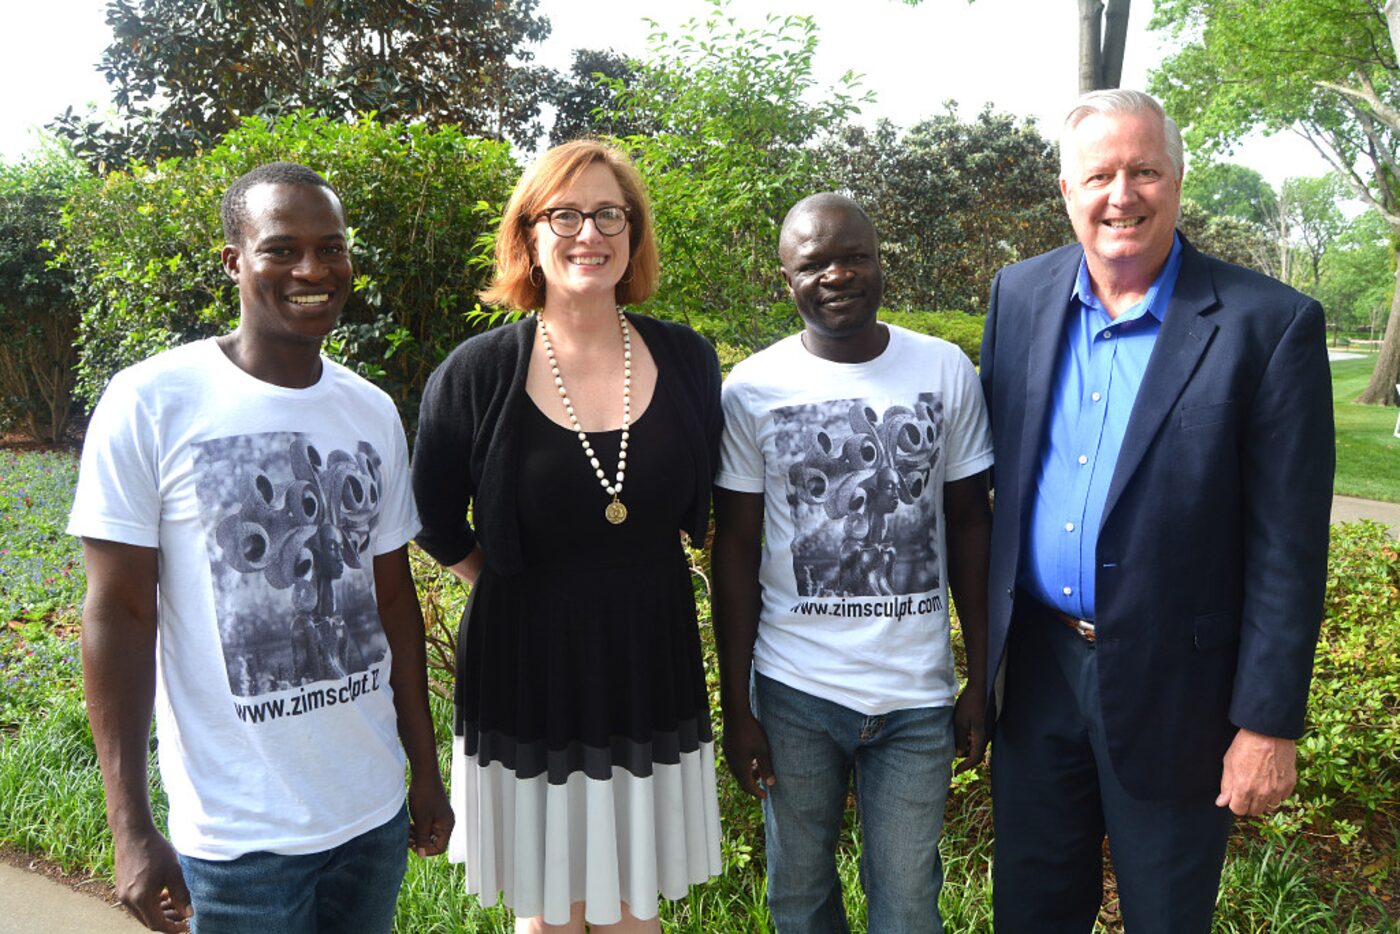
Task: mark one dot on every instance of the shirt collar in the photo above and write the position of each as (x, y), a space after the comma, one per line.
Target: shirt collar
(1158, 295)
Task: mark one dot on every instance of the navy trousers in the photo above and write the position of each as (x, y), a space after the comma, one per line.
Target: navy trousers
(1055, 798)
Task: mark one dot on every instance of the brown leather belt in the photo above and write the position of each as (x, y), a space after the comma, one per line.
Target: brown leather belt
(1081, 627)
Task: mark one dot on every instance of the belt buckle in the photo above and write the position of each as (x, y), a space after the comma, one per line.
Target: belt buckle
(1082, 627)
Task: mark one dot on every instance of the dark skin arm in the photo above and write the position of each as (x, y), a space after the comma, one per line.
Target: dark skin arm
(430, 813)
(969, 539)
(119, 679)
(738, 530)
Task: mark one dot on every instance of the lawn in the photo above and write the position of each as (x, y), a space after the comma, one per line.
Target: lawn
(1328, 861)
(1368, 454)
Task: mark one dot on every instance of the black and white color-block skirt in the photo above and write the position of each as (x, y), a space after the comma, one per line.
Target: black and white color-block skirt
(584, 766)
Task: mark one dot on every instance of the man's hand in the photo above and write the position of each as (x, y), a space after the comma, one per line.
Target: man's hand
(746, 752)
(430, 815)
(150, 883)
(1260, 771)
(970, 727)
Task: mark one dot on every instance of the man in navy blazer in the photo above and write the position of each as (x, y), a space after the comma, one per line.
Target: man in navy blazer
(1163, 430)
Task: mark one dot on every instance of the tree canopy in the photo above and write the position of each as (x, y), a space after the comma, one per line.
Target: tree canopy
(586, 102)
(1324, 68)
(728, 147)
(184, 72)
(1233, 190)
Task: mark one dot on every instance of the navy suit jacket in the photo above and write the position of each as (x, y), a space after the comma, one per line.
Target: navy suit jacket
(1212, 554)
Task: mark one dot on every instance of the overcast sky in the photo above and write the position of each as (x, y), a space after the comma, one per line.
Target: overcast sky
(1018, 55)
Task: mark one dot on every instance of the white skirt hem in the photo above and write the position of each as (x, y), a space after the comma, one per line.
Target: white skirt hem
(544, 847)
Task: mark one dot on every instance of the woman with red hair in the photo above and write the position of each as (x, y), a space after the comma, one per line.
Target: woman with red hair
(582, 439)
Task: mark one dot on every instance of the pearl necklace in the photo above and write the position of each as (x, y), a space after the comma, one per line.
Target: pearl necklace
(616, 512)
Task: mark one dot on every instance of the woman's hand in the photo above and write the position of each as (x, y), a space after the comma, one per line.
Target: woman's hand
(469, 568)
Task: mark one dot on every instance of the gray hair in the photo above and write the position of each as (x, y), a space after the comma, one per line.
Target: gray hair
(1121, 101)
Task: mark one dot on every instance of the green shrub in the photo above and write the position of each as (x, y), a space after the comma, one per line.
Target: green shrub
(1348, 791)
(958, 327)
(144, 245)
(38, 314)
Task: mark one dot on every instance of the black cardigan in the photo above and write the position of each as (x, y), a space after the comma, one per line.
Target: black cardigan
(467, 449)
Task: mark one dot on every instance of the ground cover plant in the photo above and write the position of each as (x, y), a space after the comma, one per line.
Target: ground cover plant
(40, 566)
(1368, 454)
(1329, 861)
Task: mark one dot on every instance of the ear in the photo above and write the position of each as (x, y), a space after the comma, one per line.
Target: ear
(787, 280)
(1064, 189)
(230, 256)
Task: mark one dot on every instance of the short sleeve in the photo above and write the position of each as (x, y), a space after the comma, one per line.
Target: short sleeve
(118, 493)
(400, 515)
(968, 439)
(741, 457)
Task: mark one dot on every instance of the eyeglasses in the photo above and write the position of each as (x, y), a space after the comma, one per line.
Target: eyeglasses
(567, 222)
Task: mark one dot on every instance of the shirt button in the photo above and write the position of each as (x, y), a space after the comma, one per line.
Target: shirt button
(1069, 526)
(1068, 591)
(1096, 397)
(1107, 335)
(1083, 459)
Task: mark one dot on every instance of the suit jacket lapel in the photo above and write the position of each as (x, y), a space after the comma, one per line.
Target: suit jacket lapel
(1049, 309)
(1180, 344)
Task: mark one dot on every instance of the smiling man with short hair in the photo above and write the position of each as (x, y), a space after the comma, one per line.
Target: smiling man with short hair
(852, 494)
(1163, 430)
(244, 506)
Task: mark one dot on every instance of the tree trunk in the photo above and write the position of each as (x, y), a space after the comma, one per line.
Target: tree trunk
(1090, 45)
(1381, 389)
(1102, 39)
(1115, 39)
(1392, 19)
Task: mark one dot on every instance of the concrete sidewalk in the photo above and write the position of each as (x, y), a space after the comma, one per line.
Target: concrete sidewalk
(31, 902)
(1350, 509)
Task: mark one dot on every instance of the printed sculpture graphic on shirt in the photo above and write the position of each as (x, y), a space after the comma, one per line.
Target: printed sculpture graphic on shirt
(299, 525)
(859, 483)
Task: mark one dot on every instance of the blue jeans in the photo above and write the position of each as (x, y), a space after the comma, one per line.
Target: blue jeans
(902, 762)
(352, 887)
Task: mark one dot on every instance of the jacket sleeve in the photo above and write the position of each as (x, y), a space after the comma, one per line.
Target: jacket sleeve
(442, 455)
(1288, 461)
(986, 360)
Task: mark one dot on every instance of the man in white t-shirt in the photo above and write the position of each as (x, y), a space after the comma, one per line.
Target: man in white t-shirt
(852, 493)
(244, 505)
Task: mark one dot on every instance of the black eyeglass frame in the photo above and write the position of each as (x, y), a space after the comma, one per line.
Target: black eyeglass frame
(547, 215)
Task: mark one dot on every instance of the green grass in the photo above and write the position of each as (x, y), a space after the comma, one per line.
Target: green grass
(1324, 865)
(1368, 456)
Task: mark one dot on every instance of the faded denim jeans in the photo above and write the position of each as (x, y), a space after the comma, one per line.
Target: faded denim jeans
(352, 887)
(902, 764)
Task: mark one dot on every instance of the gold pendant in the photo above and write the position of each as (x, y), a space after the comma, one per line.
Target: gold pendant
(616, 513)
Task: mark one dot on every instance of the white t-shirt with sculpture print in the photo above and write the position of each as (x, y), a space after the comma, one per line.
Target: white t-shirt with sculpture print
(851, 459)
(274, 715)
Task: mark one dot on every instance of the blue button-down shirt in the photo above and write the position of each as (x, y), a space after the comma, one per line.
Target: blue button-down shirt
(1098, 371)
